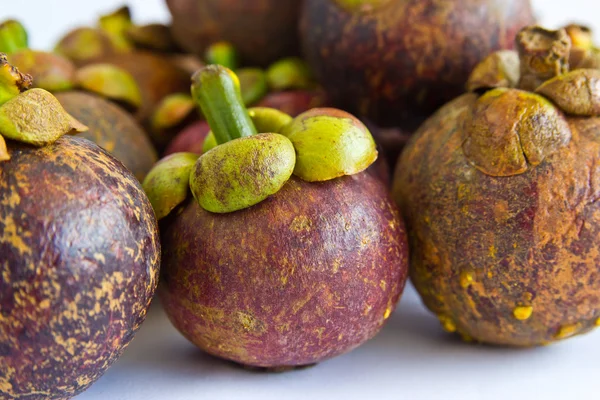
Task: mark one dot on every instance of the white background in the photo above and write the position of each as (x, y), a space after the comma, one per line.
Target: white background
(411, 359)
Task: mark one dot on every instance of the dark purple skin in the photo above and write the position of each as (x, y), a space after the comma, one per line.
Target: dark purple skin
(80, 262)
(398, 63)
(308, 274)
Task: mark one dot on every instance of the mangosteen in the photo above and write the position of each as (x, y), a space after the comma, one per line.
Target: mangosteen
(263, 31)
(79, 244)
(280, 251)
(499, 189)
(113, 129)
(396, 61)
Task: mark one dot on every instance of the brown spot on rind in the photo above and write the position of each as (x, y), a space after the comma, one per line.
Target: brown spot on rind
(77, 272)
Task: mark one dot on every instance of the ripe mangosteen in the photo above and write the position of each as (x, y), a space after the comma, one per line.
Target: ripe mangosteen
(499, 189)
(287, 253)
(396, 61)
(79, 244)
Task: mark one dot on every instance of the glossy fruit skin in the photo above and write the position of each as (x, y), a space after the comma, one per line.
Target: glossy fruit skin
(398, 63)
(484, 249)
(80, 263)
(263, 31)
(156, 76)
(306, 275)
(113, 129)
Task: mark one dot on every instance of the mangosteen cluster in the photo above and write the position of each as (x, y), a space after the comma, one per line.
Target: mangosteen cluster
(280, 242)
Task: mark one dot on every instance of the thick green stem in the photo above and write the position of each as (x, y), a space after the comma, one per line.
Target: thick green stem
(13, 37)
(216, 90)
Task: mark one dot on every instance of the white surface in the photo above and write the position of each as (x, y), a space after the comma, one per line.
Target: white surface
(411, 359)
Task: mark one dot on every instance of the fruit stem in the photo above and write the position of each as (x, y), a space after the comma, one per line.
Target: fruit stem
(13, 37)
(12, 82)
(544, 54)
(216, 90)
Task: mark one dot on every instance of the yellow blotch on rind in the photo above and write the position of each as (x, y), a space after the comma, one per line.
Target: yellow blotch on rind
(388, 312)
(448, 323)
(566, 331)
(466, 279)
(523, 313)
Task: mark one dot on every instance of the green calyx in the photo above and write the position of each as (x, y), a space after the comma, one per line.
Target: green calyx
(576, 92)
(172, 110)
(167, 184)
(83, 45)
(222, 53)
(52, 72)
(243, 172)
(156, 37)
(264, 119)
(269, 120)
(36, 117)
(111, 82)
(289, 73)
(509, 130)
(240, 168)
(245, 168)
(210, 142)
(116, 25)
(253, 84)
(31, 116)
(329, 144)
(13, 37)
(499, 69)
